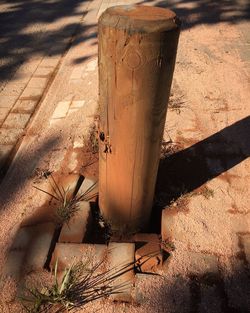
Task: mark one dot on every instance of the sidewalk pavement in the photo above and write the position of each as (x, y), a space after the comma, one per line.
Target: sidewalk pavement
(203, 180)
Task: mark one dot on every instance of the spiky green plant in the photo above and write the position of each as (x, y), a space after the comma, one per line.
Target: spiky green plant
(79, 286)
(67, 207)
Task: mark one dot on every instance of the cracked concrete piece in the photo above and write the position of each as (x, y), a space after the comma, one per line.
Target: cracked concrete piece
(120, 255)
(76, 229)
(68, 254)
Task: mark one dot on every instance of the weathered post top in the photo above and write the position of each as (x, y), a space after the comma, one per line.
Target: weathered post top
(139, 19)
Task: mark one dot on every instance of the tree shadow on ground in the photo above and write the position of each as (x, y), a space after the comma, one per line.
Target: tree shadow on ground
(193, 13)
(226, 291)
(183, 172)
(24, 166)
(36, 28)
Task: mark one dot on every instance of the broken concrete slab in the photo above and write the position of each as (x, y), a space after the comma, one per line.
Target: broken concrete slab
(77, 228)
(121, 257)
(149, 257)
(68, 254)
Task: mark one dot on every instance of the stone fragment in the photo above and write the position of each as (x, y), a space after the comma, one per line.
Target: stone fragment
(77, 228)
(121, 256)
(67, 254)
(149, 257)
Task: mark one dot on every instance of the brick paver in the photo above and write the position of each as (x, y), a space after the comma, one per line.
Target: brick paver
(23, 94)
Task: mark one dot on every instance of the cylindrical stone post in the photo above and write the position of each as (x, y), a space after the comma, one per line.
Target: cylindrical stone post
(137, 51)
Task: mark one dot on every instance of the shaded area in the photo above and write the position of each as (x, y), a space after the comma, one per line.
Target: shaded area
(27, 30)
(189, 169)
(225, 292)
(24, 166)
(193, 13)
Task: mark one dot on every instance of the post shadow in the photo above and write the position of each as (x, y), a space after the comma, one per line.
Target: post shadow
(187, 170)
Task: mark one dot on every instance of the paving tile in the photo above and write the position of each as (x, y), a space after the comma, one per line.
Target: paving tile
(3, 114)
(72, 110)
(16, 120)
(43, 71)
(91, 65)
(31, 92)
(61, 110)
(41, 238)
(14, 264)
(29, 67)
(7, 101)
(78, 142)
(5, 151)
(10, 136)
(149, 257)
(25, 106)
(77, 104)
(67, 254)
(76, 229)
(77, 73)
(120, 255)
(37, 82)
(49, 62)
(13, 88)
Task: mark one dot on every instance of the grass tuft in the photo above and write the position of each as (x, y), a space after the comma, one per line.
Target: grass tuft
(67, 207)
(79, 286)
